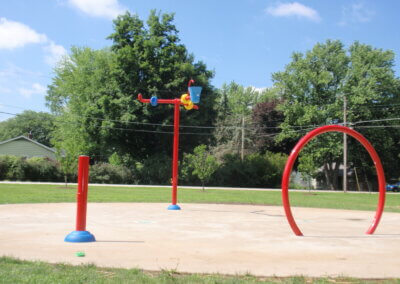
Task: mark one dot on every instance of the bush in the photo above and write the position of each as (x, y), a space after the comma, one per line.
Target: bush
(110, 174)
(256, 170)
(33, 169)
(42, 169)
(156, 169)
(14, 167)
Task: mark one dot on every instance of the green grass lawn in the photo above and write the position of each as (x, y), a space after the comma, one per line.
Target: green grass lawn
(17, 271)
(23, 193)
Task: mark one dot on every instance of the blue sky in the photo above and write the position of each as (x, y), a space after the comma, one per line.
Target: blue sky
(243, 41)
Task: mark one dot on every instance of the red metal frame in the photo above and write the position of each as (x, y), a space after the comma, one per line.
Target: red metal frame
(82, 192)
(175, 151)
(295, 152)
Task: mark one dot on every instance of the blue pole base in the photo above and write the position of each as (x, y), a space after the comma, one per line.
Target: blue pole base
(79, 237)
(174, 207)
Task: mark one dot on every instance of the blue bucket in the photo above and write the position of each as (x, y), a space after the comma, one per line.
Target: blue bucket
(195, 93)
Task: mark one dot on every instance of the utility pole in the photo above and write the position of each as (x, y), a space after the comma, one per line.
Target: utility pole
(344, 145)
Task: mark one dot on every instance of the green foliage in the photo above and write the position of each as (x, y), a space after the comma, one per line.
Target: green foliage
(111, 174)
(115, 159)
(33, 169)
(234, 105)
(82, 91)
(313, 87)
(202, 163)
(95, 91)
(39, 124)
(256, 170)
(14, 167)
(42, 169)
(156, 169)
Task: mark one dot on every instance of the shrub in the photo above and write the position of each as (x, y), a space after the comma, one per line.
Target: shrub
(33, 169)
(42, 169)
(256, 170)
(155, 170)
(15, 168)
(110, 174)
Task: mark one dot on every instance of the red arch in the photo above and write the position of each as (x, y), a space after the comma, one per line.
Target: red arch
(295, 152)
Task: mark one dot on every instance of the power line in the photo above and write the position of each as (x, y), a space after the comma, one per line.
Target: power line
(303, 127)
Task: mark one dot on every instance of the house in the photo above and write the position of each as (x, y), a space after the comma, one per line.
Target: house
(26, 147)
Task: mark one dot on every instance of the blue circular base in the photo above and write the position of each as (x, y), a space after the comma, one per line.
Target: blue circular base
(174, 207)
(79, 237)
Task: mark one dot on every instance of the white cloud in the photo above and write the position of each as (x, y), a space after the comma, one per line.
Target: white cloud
(55, 53)
(293, 9)
(356, 13)
(15, 34)
(36, 89)
(99, 8)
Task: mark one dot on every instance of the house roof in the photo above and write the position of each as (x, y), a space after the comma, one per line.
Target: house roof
(30, 140)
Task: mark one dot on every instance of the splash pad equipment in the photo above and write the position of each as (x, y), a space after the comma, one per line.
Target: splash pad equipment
(300, 145)
(187, 101)
(80, 234)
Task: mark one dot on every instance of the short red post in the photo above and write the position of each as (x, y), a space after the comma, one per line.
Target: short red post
(81, 195)
(80, 234)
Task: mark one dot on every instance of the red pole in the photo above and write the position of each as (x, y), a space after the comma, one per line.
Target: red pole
(80, 235)
(177, 103)
(81, 195)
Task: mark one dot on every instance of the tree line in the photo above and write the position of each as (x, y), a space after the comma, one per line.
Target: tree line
(94, 110)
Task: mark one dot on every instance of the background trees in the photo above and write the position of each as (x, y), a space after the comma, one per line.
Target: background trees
(97, 90)
(93, 97)
(313, 87)
(39, 124)
(234, 128)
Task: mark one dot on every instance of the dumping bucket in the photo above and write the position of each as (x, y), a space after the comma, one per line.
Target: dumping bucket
(195, 92)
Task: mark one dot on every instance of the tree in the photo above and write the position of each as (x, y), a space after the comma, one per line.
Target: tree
(313, 87)
(38, 124)
(266, 118)
(373, 93)
(69, 140)
(234, 106)
(152, 61)
(202, 163)
(86, 98)
(100, 87)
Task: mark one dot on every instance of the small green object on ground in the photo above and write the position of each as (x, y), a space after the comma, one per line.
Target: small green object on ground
(80, 254)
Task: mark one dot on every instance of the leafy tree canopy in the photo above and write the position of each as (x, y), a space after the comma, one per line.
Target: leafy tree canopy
(39, 124)
(97, 89)
(235, 105)
(313, 87)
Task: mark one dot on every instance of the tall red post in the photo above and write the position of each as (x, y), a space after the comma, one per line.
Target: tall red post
(175, 152)
(80, 234)
(188, 104)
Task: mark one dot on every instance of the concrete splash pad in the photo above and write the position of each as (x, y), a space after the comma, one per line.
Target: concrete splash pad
(207, 238)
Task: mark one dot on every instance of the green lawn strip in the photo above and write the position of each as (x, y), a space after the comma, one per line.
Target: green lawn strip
(19, 271)
(23, 193)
